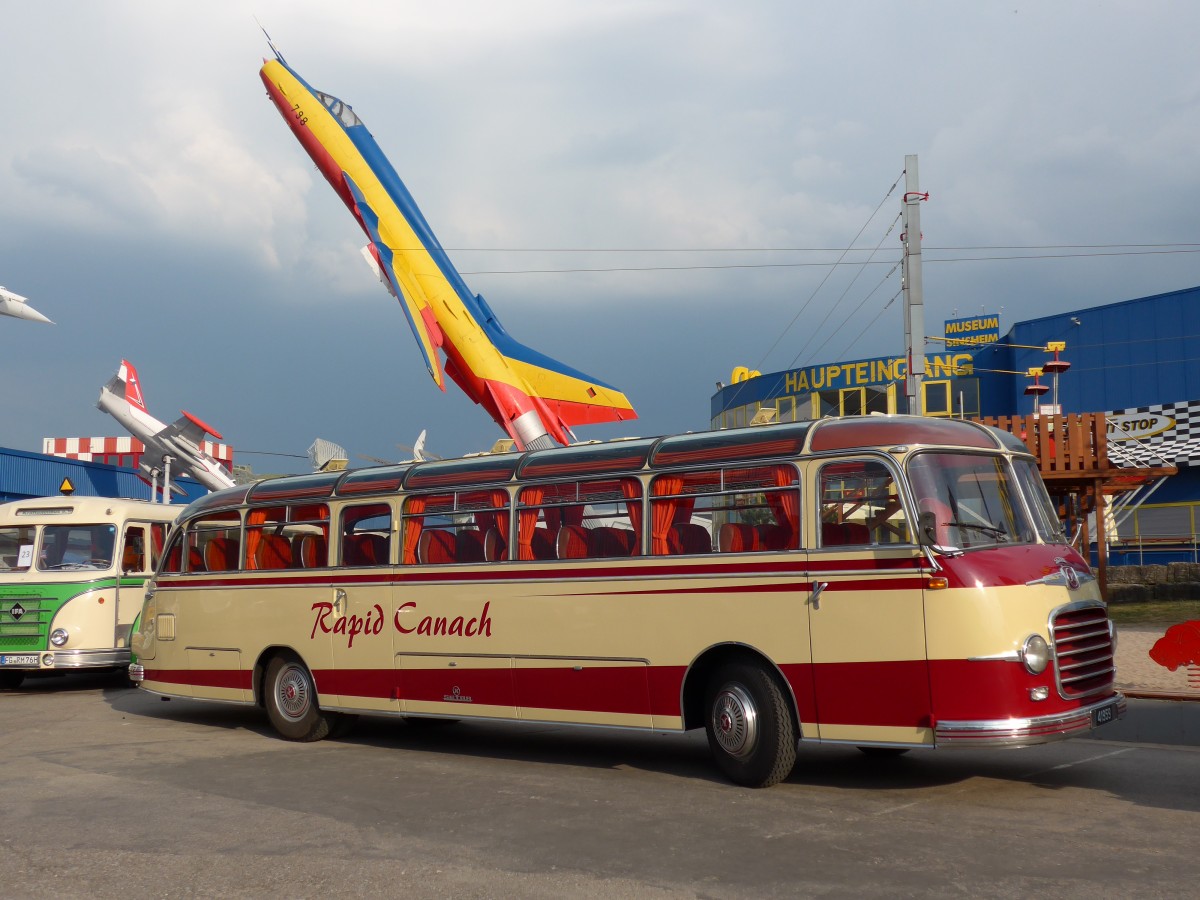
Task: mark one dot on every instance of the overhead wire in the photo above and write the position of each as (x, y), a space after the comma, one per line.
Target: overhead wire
(817, 289)
(831, 265)
(812, 334)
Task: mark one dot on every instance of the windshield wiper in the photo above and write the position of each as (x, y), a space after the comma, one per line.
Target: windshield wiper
(986, 529)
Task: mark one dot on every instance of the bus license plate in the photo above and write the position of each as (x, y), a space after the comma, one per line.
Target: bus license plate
(18, 659)
(1104, 715)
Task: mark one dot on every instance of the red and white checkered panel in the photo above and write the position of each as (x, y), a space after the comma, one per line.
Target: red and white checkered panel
(121, 451)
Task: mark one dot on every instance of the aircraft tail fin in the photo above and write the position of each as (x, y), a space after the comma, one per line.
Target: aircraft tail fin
(573, 397)
(126, 385)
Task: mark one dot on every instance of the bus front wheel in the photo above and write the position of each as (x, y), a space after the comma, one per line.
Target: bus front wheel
(291, 701)
(750, 731)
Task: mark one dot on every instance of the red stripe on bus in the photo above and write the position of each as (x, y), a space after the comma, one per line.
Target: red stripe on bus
(236, 679)
(993, 689)
(890, 693)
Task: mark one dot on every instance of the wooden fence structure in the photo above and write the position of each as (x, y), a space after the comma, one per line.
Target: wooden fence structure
(1072, 455)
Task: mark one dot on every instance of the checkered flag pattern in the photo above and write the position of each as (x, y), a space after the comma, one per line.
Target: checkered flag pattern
(1154, 435)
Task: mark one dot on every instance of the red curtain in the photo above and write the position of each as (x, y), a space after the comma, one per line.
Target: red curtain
(527, 520)
(254, 523)
(662, 512)
(785, 504)
(632, 491)
(413, 523)
(497, 518)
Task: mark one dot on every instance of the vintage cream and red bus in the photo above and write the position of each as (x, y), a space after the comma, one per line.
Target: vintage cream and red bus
(72, 580)
(889, 582)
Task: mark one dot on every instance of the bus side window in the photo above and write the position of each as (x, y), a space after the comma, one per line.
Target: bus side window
(158, 537)
(860, 505)
(174, 562)
(366, 535)
(580, 520)
(214, 542)
(735, 510)
(133, 556)
(468, 526)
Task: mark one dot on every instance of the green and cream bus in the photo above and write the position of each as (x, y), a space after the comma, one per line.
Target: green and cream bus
(72, 580)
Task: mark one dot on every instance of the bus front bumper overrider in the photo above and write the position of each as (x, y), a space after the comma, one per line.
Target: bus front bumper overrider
(1038, 730)
(81, 659)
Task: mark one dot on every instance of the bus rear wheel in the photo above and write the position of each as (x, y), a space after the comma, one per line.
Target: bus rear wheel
(750, 730)
(290, 696)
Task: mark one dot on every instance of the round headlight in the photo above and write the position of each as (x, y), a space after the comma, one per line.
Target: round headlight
(1035, 654)
(58, 637)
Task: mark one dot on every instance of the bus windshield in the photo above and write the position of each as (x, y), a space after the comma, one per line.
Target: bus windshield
(967, 500)
(1042, 508)
(77, 547)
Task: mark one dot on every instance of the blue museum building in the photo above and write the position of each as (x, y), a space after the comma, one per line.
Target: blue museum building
(1138, 361)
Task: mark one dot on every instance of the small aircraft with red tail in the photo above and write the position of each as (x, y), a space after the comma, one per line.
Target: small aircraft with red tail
(169, 448)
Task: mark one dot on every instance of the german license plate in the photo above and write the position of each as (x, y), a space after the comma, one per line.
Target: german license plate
(1104, 714)
(18, 659)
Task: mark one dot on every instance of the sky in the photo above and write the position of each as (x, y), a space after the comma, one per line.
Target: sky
(653, 192)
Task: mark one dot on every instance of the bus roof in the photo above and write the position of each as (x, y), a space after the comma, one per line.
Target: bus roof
(39, 510)
(619, 456)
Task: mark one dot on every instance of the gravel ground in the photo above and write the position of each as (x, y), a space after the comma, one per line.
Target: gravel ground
(1137, 672)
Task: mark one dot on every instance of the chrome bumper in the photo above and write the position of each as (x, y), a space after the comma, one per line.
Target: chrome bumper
(137, 673)
(1023, 732)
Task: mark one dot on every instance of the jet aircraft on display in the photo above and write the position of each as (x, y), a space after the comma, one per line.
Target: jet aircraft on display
(170, 449)
(14, 305)
(535, 399)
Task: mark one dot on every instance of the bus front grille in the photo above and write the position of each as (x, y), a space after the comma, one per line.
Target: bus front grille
(1083, 649)
(23, 622)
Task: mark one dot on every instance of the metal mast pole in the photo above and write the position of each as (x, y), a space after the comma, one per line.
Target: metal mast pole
(914, 301)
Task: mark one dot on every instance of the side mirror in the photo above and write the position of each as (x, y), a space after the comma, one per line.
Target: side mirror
(927, 533)
(927, 528)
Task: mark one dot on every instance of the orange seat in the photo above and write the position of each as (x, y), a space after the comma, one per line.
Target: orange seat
(687, 538)
(542, 544)
(132, 558)
(310, 551)
(436, 547)
(572, 542)
(221, 554)
(493, 545)
(736, 537)
(365, 550)
(468, 545)
(775, 537)
(274, 552)
(843, 534)
(607, 540)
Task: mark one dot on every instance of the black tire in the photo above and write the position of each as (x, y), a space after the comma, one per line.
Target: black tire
(10, 681)
(340, 724)
(884, 752)
(750, 730)
(291, 700)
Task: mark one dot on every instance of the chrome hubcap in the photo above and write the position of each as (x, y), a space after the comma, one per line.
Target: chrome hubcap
(293, 693)
(735, 721)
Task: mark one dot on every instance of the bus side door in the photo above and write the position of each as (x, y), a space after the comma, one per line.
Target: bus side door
(134, 568)
(866, 609)
(361, 596)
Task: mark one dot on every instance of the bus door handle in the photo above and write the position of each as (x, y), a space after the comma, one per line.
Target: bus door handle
(339, 601)
(817, 588)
